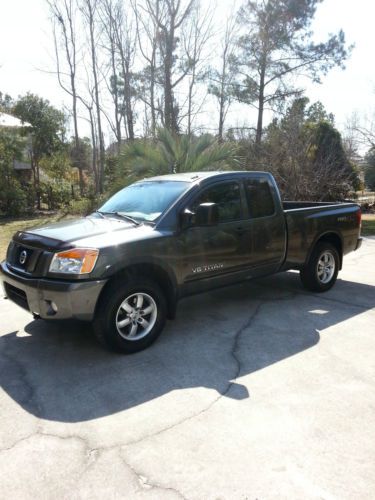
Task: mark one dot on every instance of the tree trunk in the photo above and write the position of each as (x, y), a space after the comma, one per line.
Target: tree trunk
(258, 138)
(37, 185)
(190, 103)
(169, 110)
(221, 119)
(116, 101)
(76, 136)
(96, 93)
(128, 103)
(222, 104)
(152, 90)
(94, 153)
(64, 15)
(129, 116)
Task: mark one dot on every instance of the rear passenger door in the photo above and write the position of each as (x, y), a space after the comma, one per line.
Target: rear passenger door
(266, 221)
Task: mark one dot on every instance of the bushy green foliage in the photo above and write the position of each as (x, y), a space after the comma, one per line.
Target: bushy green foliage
(56, 193)
(370, 169)
(85, 206)
(80, 155)
(6, 102)
(304, 151)
(47, 124)
(57, 166)
(173, 154)
(278, 42)
(13, 199)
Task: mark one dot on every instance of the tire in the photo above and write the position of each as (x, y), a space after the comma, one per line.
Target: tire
(130, 317)
(320, 273)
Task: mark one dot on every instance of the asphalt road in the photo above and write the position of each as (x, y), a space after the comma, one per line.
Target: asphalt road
(258, 391)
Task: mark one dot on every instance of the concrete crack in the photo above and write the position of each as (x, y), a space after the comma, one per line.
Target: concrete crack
(145, 483)
(233, 351)
(16, 443)
(232, 381)
(142, 480)
(46, 434)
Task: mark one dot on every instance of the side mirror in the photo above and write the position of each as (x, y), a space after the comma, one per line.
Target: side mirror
(207, 214)
(187, 218)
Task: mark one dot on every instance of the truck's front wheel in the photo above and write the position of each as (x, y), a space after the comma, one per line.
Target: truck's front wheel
(320, 274)
(130, 317)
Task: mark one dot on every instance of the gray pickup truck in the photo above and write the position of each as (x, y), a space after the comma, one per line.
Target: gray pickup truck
(125, 266)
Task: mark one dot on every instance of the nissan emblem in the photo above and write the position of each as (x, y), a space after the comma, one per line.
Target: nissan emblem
(23, 257)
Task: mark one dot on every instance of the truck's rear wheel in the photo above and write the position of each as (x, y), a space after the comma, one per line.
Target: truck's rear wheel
(130, 317)
(320, 274)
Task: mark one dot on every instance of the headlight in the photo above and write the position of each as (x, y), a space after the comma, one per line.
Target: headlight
(74, 261)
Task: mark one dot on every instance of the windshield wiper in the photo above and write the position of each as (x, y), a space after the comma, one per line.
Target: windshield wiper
(101, 214)
(125, 216)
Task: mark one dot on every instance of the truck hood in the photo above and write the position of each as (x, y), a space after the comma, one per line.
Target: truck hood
(90, 231)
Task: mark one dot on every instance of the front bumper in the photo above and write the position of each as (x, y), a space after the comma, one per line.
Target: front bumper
(52, 299)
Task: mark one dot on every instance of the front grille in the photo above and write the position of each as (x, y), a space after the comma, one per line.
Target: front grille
(16, 295)
(22, 258)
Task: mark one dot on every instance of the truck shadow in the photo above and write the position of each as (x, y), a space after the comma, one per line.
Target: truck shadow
(57, 371)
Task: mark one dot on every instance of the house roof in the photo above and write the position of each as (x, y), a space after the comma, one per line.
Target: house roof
(21, 165)
(9, 121)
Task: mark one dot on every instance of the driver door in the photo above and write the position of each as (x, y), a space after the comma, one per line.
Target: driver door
(212, 252)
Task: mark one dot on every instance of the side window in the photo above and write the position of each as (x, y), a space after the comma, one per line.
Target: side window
(227, 198)
(259, 198)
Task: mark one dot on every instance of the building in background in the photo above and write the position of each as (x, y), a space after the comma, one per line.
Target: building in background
(13, 125)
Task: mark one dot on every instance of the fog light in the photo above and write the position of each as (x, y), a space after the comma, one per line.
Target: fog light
(52, 307)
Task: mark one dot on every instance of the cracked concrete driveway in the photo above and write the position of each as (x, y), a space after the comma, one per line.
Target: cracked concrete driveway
(261, 390)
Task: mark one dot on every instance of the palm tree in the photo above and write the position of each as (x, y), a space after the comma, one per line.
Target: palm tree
(173, 154)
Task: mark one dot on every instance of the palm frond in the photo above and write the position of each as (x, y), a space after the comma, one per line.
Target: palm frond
(177, 153)
(217, 156)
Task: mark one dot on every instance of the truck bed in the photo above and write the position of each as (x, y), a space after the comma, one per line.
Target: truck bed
(305, 220)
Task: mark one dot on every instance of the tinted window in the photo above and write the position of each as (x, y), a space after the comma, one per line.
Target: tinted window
(145, 200)
(259, 198)
(227, 198)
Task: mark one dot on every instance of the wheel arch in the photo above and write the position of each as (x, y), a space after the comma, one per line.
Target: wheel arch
(331, 237)
(150, 271)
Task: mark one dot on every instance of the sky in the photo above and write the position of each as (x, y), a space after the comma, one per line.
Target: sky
(27, 62)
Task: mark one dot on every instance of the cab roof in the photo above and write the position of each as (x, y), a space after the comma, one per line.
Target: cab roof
(193, 177)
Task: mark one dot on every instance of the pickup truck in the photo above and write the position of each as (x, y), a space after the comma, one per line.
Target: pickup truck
(125, 266)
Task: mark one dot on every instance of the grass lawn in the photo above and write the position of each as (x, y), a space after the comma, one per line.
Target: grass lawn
(9, 226)
(368, 225)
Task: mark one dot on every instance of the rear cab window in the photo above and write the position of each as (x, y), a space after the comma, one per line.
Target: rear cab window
(259, 198)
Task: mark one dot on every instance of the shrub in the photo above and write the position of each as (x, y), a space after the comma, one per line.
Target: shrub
(56, 193)
(13, 199)
(85, 206)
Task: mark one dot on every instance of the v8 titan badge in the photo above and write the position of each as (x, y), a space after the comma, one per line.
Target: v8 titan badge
(210, 267)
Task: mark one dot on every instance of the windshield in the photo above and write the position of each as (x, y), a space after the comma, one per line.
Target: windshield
(145, 200)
